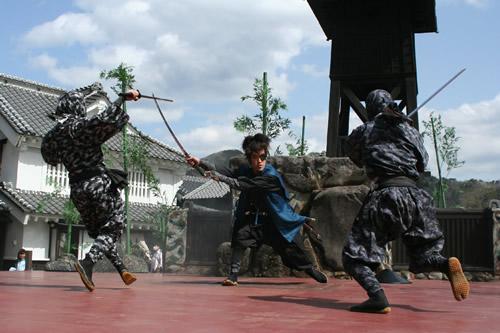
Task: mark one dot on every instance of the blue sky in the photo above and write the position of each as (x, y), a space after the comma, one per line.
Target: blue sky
(206, 54)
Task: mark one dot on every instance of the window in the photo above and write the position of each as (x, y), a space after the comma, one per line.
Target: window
(138, 187)
(57, 178)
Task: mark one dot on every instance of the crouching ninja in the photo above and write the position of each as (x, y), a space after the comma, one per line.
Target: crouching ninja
(75, 141)
(393, 155)
(263, 214)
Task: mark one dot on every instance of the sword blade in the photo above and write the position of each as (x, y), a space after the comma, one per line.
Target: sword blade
(437, 92)
(169, 128)
(186, 154)
(156, 98)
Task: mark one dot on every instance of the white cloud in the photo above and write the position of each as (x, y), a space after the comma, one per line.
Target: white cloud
(141, 115)
(73, 76)
(66, 29)
(205, 140)
(477, 125)
(313, 70)
(191, 49)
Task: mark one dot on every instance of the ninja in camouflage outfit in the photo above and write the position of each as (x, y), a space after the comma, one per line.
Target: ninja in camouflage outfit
(393, 155)
(75, 141)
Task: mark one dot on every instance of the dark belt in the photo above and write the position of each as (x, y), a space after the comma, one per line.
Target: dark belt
(87, 174)
(399, 181)
(118, 177)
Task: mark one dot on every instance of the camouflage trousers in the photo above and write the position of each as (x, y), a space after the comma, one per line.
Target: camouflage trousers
(102, 212)
(387, 214)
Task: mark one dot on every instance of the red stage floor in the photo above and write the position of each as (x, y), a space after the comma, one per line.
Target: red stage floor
(57, 302)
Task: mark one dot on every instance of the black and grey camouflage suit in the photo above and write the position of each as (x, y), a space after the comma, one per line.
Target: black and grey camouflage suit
(75, 141)
(393, 154)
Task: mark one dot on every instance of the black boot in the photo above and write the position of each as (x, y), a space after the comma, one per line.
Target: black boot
(84, 268)
(317, 275)
(377, 303)
(231, 281)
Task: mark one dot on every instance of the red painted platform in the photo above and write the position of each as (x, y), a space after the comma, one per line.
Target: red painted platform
(57, 302)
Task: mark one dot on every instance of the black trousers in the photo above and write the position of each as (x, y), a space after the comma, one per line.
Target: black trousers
(247, 235)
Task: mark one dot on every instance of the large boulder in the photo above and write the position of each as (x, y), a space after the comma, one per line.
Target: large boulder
(335, 210)
(65, 263)
(307, 173)
(133, 263)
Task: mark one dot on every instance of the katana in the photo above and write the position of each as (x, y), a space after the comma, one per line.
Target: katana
(149, 97)
(437, 92)
(186, 154)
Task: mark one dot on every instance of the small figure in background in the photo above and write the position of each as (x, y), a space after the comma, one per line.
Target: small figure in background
(156, 259)
(20, 262)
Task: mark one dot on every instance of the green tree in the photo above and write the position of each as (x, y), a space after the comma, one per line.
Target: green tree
(269, 120)
(446, 149)
(124, 76)
(300, 147)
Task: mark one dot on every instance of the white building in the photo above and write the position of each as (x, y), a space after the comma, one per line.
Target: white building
(30, 216)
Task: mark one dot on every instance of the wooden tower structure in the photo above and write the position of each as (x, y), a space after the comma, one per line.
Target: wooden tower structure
(373, 47)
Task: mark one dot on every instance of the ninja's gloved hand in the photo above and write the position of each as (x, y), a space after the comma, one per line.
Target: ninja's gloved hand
(132, 95)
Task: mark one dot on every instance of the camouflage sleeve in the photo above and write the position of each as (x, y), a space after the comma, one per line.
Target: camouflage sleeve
(50, 148)
(354, 145)
(100, 127)
(420, 152)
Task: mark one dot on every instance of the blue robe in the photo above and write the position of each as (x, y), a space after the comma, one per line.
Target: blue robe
(286, 220)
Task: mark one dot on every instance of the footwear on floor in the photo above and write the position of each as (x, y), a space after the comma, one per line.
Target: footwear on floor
(317, 275)
(84, 268)
(377, 303)
(459, 284)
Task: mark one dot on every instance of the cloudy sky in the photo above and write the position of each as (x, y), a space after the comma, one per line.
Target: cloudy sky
(206, 54)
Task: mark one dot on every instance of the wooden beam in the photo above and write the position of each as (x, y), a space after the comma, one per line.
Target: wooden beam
(333, 119)
(356, 104)
(395, 92)
(411, 98)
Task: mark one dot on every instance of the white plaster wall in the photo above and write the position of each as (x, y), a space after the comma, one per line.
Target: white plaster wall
(170, 182)
(8, 171)
(31, 170)
(36, 238)
(14, 240)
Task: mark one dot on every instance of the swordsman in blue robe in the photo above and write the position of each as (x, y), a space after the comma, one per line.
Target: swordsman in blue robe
(263, 214)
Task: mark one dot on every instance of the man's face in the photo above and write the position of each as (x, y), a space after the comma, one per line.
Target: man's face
(258, 160)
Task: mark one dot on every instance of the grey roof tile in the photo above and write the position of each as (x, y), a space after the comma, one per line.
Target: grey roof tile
(193, 188)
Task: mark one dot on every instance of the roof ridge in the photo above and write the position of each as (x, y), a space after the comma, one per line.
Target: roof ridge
(29, 84)
(14, 196)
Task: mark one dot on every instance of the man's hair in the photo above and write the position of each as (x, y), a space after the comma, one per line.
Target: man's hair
(254, 143)
(21, 251)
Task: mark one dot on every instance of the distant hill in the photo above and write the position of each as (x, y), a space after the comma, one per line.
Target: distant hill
(472, 193)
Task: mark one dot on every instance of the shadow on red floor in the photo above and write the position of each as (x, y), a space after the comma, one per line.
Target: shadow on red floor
(57, 302)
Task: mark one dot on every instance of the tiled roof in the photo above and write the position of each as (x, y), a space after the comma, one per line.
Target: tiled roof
(3, 206)
(45, 203)
(27, 106)
(194, 187)
(155, 148)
